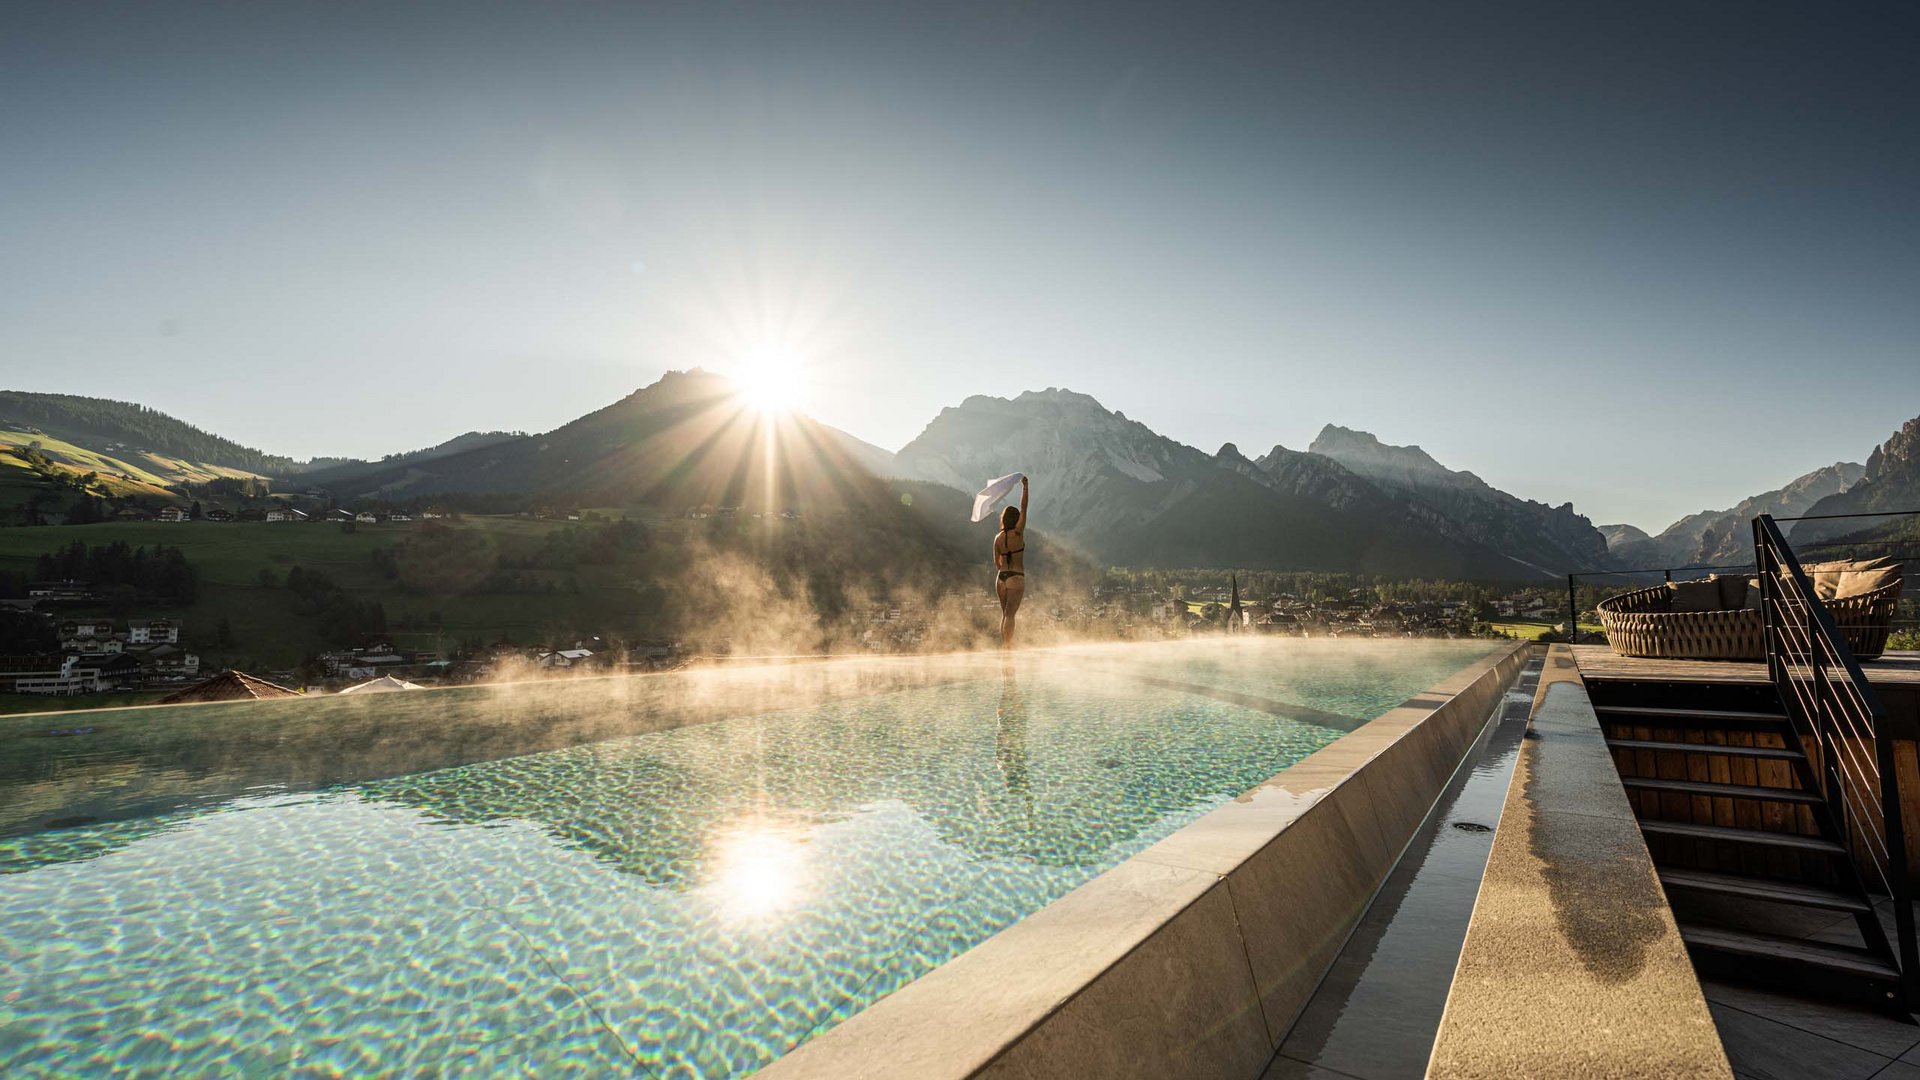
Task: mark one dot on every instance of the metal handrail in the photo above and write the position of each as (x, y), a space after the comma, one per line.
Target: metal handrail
(1835, 708)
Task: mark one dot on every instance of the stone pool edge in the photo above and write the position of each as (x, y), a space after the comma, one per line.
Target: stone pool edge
(1193, 957)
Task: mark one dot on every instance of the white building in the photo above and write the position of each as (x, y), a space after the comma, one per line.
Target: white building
(565, 658)
(152, 632)
(172, 660)
(68, 675)
(92, 646)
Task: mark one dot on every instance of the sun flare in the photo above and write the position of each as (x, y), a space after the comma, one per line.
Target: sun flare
(772, 380)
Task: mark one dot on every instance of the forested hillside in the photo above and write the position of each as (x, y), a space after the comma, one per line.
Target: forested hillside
(96, 423)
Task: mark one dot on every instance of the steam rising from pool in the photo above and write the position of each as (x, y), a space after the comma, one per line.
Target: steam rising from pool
(690, 872)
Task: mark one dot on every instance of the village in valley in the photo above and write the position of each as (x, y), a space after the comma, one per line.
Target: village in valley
(145, 583)
(143, 658)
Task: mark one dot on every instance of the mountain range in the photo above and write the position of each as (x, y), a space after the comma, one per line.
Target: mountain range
(1129, 496)
(1725, 536)
(1105, 485)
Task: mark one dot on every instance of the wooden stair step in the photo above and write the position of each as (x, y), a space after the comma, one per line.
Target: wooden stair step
(1817, 845)
(1775, 753)
(1669, 716)
(1720, 791)
(1749, 888)
(1839, 958)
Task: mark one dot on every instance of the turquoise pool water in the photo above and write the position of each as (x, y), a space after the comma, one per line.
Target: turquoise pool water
(683, 903)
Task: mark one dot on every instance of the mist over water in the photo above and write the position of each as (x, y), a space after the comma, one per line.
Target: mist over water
(692, 871)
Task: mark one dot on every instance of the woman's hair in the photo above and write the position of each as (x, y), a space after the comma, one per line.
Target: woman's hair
(1009, 517)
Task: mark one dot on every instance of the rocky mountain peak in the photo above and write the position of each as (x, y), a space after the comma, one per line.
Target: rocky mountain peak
(1339, 443)
(1061, 398)
(680, 387)
(1618, 535)
(1900, 454)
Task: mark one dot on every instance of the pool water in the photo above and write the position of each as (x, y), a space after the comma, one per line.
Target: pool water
(682, 903)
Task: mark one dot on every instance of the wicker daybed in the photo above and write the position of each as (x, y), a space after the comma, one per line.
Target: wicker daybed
(1644, 622)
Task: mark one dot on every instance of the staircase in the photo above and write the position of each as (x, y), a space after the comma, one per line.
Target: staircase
(1748, 850)
(1772, 809)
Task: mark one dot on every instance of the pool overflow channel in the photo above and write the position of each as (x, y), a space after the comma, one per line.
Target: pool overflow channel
(1378, 1008)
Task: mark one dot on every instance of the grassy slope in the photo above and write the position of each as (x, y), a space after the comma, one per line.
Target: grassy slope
(18, 480)
(156, 470)
(1529, 630)
(268, 633)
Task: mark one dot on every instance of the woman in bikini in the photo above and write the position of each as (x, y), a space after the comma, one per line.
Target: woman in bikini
(1009, 560)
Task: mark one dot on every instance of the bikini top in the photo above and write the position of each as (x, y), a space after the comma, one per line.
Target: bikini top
(1011, 552)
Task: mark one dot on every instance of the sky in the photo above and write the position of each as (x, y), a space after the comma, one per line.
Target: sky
(1647, 257)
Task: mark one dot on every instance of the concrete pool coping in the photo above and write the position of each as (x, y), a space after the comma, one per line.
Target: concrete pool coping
(1194, 957)
(1573, 965)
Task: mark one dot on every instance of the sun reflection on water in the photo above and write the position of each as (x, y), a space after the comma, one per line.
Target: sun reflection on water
(758, 870)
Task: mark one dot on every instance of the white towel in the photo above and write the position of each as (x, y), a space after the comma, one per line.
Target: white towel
(995, 490)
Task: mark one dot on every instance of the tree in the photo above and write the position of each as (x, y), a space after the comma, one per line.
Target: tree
(223, 633)
(25, 632)
(195, 512)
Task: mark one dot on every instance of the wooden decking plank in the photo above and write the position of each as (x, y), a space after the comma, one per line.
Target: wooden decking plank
(1832, 957)
(1813, 844)
(1777, 753)
(1730, 791)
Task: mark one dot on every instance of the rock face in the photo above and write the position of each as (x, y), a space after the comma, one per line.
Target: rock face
(1889, 482)
(1553, 538)
(1725, 537)
(1127, 495)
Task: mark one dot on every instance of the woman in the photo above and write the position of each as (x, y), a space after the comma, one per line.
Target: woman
(1009, 560)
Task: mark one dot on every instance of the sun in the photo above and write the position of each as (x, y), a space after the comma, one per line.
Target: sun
(772, 380)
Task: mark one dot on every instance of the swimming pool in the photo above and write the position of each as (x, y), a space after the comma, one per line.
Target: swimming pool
(684, 902)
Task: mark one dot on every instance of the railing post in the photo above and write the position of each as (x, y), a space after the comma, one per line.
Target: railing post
(1573, 614)
(1898, 876)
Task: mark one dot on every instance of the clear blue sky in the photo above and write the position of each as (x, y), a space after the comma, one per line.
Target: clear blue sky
(1647, 257)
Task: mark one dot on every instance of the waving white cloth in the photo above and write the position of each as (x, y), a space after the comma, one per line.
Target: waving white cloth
(995, 490)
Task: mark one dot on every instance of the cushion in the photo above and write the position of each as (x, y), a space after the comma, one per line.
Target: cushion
(1702, 595)
(1753, 594)
(1864, 576)
(1826, 576)
(1733, 592)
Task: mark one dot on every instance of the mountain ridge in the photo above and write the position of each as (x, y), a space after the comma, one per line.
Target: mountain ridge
(1128, 495)
(1725, 536)
(1551, 538)
(1119, 490)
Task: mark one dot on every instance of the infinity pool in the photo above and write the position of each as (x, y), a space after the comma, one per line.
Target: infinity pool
(687, 902)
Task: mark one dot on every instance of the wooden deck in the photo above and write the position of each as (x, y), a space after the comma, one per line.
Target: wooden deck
(1600, 662)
